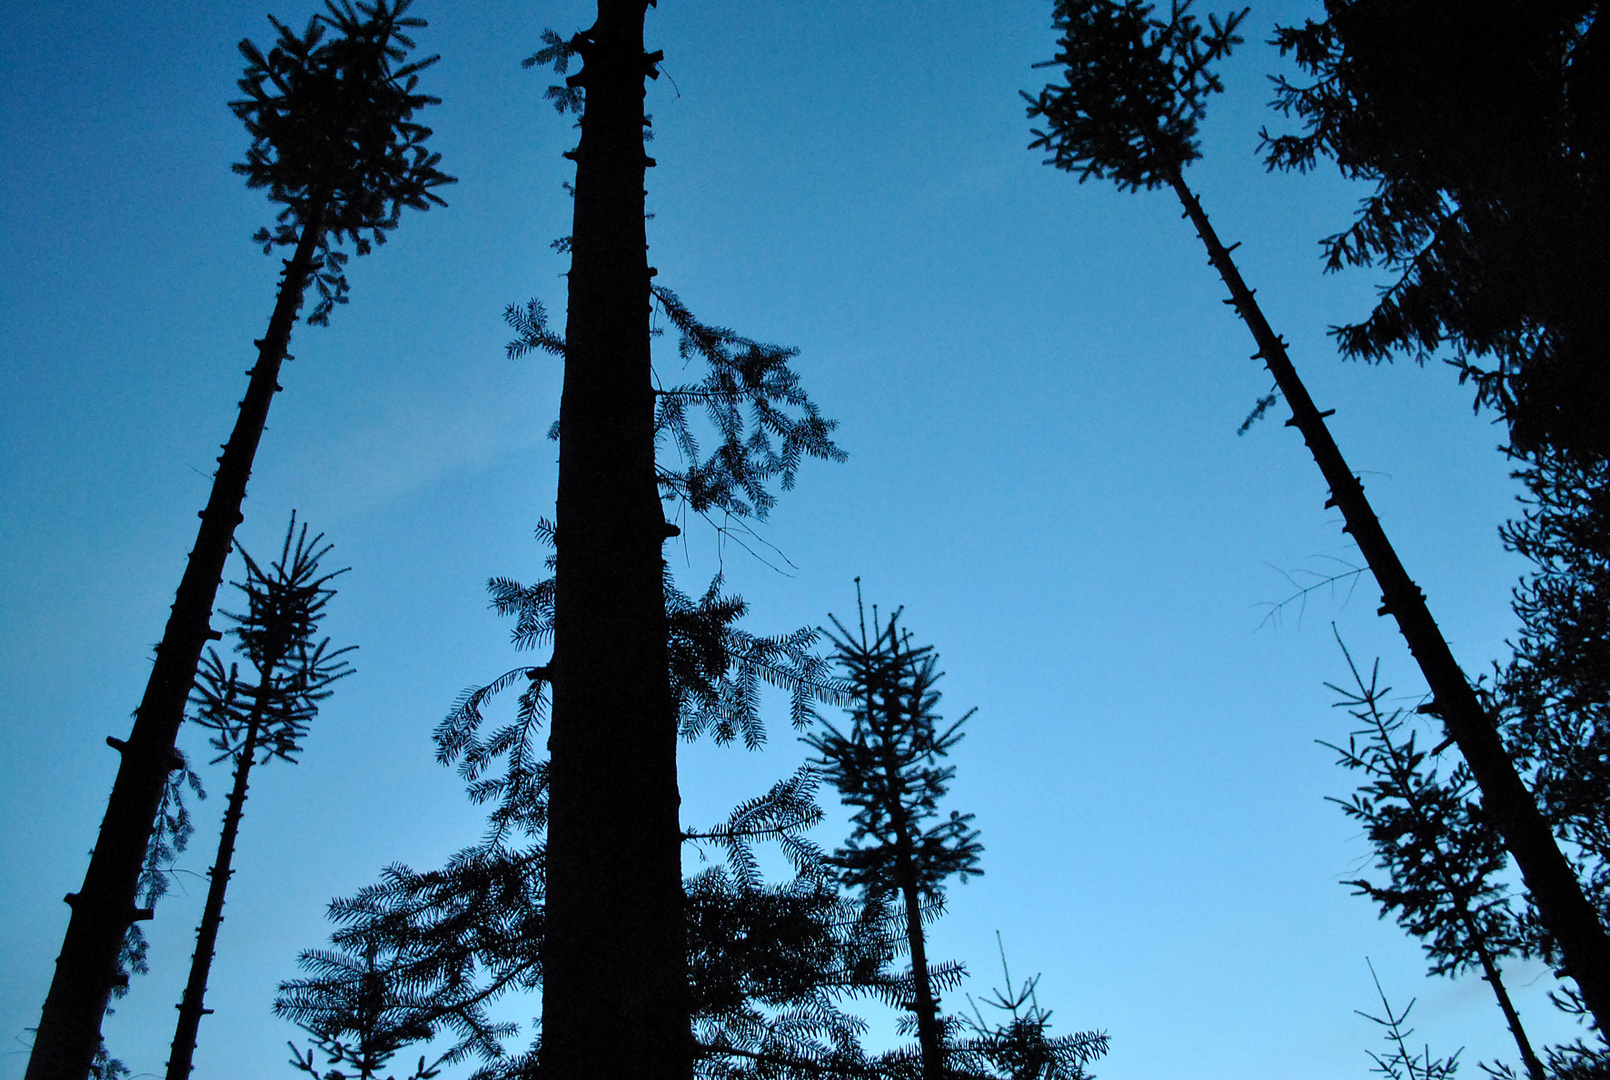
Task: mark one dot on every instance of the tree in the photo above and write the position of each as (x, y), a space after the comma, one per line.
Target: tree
(333, 142)
(614, 982)
(1485, 128)
(1400, 1062)
(1022, 1047)
(1134, 90)
(888, 767)
(263, 713)
(359, 1025)
(1429, 835)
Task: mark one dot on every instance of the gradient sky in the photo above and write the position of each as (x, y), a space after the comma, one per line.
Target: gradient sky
(1036, 383)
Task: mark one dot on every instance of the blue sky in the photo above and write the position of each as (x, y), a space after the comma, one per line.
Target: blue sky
(1039, 392)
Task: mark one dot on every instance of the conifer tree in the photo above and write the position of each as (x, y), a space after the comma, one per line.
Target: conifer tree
(887, 766)
(1021, 1047)
(1133, 92)
(614, 982)
(1443, 860)
(1484, 126)
(263, 714)
(334, 143)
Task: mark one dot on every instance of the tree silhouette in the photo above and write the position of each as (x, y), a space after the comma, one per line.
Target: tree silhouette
(264, 713)
(615, 996)
(359, 1024)
(1400, 1062)
(333, 142)
(1021, 1047)
(888, 767)
(1554, 693)
(1134, 89)
(1483, 127)
(1442, 858)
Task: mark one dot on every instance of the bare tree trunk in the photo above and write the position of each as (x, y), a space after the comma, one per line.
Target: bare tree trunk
(1565, 912)
(191, 1008)
(1489, 969)
(614, 995)
(103, 909)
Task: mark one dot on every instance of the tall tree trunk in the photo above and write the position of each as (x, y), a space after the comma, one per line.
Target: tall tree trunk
(614, 997)
(191, 1009)
(104, 907)
(1563, 909)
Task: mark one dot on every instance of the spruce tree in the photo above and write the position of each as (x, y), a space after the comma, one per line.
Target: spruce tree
(1134, 89)
(330, 114)
(888, 767)
(1443, 861)
(256, 717)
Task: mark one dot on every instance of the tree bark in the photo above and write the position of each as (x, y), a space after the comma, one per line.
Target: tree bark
(104, 907)
(614, 1000)
(1563, 909)
(191, 1007)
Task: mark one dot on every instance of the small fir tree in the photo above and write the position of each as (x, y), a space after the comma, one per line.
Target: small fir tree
(1400, 1062)
(1443, 860)
(1020, 1045)
(888, 767)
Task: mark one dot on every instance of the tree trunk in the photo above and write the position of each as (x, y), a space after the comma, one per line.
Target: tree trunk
(191, 1009)
(614, 997)
(1563, 909)
(1489, 970)
(926, 1008)
(103, 908)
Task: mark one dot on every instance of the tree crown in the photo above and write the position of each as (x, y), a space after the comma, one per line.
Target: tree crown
(333, 138)
(1134, 89)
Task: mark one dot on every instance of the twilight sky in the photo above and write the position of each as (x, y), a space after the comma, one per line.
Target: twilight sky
(1036, 383)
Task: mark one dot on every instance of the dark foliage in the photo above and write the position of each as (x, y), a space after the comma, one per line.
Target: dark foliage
(333, 139)
(1485, 128)
(1134, 89)
(767, 962)
(1119, 121)
(764, 423)
(887, 766)
(292, 669)
(1444, 863)
(1554, 695)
